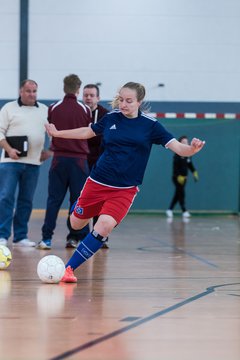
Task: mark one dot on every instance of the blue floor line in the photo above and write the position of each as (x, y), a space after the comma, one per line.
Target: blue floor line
(137, 323)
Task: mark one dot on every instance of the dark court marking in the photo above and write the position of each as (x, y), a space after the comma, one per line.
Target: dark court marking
(179, 250)
(131, 318)
(137, 323)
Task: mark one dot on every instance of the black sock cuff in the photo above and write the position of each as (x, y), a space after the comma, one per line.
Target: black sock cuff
(72, 231)
(98, 236)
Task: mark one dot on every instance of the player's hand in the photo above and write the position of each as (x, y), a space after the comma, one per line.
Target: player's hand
(181, 179)
(197, 145)
(195, 175)
(51, 129)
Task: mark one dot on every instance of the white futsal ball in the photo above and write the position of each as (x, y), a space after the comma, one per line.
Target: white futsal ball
(50, 269)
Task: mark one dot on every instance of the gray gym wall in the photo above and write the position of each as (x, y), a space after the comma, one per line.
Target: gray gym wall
(192, 48)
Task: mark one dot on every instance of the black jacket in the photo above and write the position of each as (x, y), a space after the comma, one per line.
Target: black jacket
(181, 165)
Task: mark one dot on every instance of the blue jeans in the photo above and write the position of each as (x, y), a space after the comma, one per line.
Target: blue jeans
(13, 176)
(66, 173)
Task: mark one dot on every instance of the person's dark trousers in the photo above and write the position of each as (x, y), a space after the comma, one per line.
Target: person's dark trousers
(66, 173)
(179, 195)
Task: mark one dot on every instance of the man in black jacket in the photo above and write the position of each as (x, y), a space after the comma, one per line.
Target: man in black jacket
(91, 97)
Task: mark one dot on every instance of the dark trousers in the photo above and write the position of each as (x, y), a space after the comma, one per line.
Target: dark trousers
(66, 173)
(179, 195)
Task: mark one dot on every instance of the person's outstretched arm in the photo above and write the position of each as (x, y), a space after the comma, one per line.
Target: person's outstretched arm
(186, 150)
(78, 133)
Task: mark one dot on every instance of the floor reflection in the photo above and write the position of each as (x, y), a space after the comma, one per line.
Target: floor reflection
(5, 284)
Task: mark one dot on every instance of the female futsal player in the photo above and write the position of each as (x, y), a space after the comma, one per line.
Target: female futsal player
(128, 135)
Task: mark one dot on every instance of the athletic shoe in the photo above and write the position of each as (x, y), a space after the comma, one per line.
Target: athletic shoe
(169, 213)
(105, 245)
(186, 214)
(69, 277)
(24, 243)
(3, 241)
(72, 243)
(44, 244)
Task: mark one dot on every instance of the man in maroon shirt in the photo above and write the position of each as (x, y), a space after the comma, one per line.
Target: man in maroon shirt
(91, 97)
(69, 168)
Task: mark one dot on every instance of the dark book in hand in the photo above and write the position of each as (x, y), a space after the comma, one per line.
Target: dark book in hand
(18, 142)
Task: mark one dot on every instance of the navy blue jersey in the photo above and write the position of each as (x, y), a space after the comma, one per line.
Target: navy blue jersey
(127, 146)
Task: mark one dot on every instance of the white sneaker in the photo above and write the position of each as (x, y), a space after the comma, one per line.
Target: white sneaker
(186, 214)
(169, 213)
(24, 242)
(3, 241)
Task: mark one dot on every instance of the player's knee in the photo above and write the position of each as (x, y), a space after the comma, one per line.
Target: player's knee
(105, 225)
(76, 224)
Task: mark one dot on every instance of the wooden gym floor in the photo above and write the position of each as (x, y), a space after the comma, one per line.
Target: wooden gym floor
(163, 290)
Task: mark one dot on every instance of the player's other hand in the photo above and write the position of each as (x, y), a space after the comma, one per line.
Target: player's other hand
(197, 144)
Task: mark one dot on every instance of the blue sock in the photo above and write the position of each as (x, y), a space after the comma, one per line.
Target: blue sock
(87, 247)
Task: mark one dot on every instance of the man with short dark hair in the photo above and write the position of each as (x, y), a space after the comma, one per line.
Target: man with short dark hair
(69, 168)
(91, 97)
